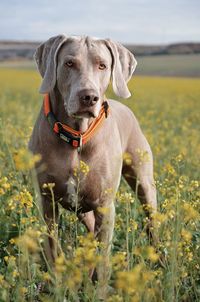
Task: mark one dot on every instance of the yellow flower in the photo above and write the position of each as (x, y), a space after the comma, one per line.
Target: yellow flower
(23, 220)
(6, 258)
(115, 298)
(127, 158)
(15, 273)
(49, 185)
(10, 259)
(186, 235)
(33, 219)
(29, 240)
(170, 169)
(2, 192)
(147, 252)
(151, 254)
(159, 219)
(134, 281)
(23, 290)
(119, 261)
(179, 157)
(184, 275)
(4, 185)
(83, 169)
(125, 197)
(103, 210)
(85, 254)
(2, 281)
(12, 241)
(28, 243)
(60, 263)
(133, 224)
(23, 199)
(109, 191)
(25, 160)
(74, 279)
(46, 276)
(190, 256)
(143, 156)
(190, 213)
(60, 260)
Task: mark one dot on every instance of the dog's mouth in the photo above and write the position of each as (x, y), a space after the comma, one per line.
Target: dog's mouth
(84, 114)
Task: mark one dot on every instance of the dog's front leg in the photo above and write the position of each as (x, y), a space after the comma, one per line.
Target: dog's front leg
(104, 226)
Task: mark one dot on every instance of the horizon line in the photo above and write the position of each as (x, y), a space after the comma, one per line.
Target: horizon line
(126, 43)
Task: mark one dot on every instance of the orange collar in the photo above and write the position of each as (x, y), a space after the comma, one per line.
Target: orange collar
(68, 134)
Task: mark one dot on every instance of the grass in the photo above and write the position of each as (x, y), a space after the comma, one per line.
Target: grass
(168, 112)
(18, 64)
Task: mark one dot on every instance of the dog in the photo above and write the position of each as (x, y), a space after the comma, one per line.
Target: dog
(77, 123)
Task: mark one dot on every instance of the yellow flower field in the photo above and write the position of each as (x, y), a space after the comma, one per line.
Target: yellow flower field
(168, 112)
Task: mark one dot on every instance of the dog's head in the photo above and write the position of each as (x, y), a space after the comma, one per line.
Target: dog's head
(81, 68)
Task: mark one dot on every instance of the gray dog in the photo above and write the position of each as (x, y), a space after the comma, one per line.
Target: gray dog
(78, 123)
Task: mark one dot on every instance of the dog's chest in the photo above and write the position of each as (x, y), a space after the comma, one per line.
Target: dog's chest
(81, 190)
(82, 184)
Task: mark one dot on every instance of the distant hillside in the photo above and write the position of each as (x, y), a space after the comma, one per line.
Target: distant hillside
(12, 50)
(178, 48)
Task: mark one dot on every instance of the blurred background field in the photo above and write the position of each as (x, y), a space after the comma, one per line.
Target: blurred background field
(168, 112)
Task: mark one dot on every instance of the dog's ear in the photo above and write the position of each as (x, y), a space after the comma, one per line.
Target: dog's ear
(46, 59)
(123, 66)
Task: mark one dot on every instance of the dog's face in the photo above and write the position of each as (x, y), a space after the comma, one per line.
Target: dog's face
(82, 67)
(83, 75)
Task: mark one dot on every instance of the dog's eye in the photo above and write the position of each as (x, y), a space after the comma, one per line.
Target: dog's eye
(102, 66)
(69, 63)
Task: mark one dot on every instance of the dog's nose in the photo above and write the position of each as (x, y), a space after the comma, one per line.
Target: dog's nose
(88, 97)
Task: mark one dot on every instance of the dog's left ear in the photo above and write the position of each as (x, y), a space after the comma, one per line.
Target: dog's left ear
(123, 66)
(46, 59)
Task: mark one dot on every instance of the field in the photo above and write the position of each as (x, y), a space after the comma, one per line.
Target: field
(168, 112)
(176, 65)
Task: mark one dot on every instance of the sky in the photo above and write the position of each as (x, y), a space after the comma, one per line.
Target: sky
(126, 21)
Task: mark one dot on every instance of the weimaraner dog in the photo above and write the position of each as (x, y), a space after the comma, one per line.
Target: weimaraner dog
(76, 72)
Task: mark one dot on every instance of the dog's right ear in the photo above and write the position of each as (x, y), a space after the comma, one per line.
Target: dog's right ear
(46, 59)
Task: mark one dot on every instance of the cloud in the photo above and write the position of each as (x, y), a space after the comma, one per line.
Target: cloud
(132, 21)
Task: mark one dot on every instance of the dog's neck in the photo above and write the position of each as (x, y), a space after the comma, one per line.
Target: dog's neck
(57, 105)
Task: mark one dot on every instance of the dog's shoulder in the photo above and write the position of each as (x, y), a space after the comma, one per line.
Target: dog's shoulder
(121, 111)
(125, 119)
